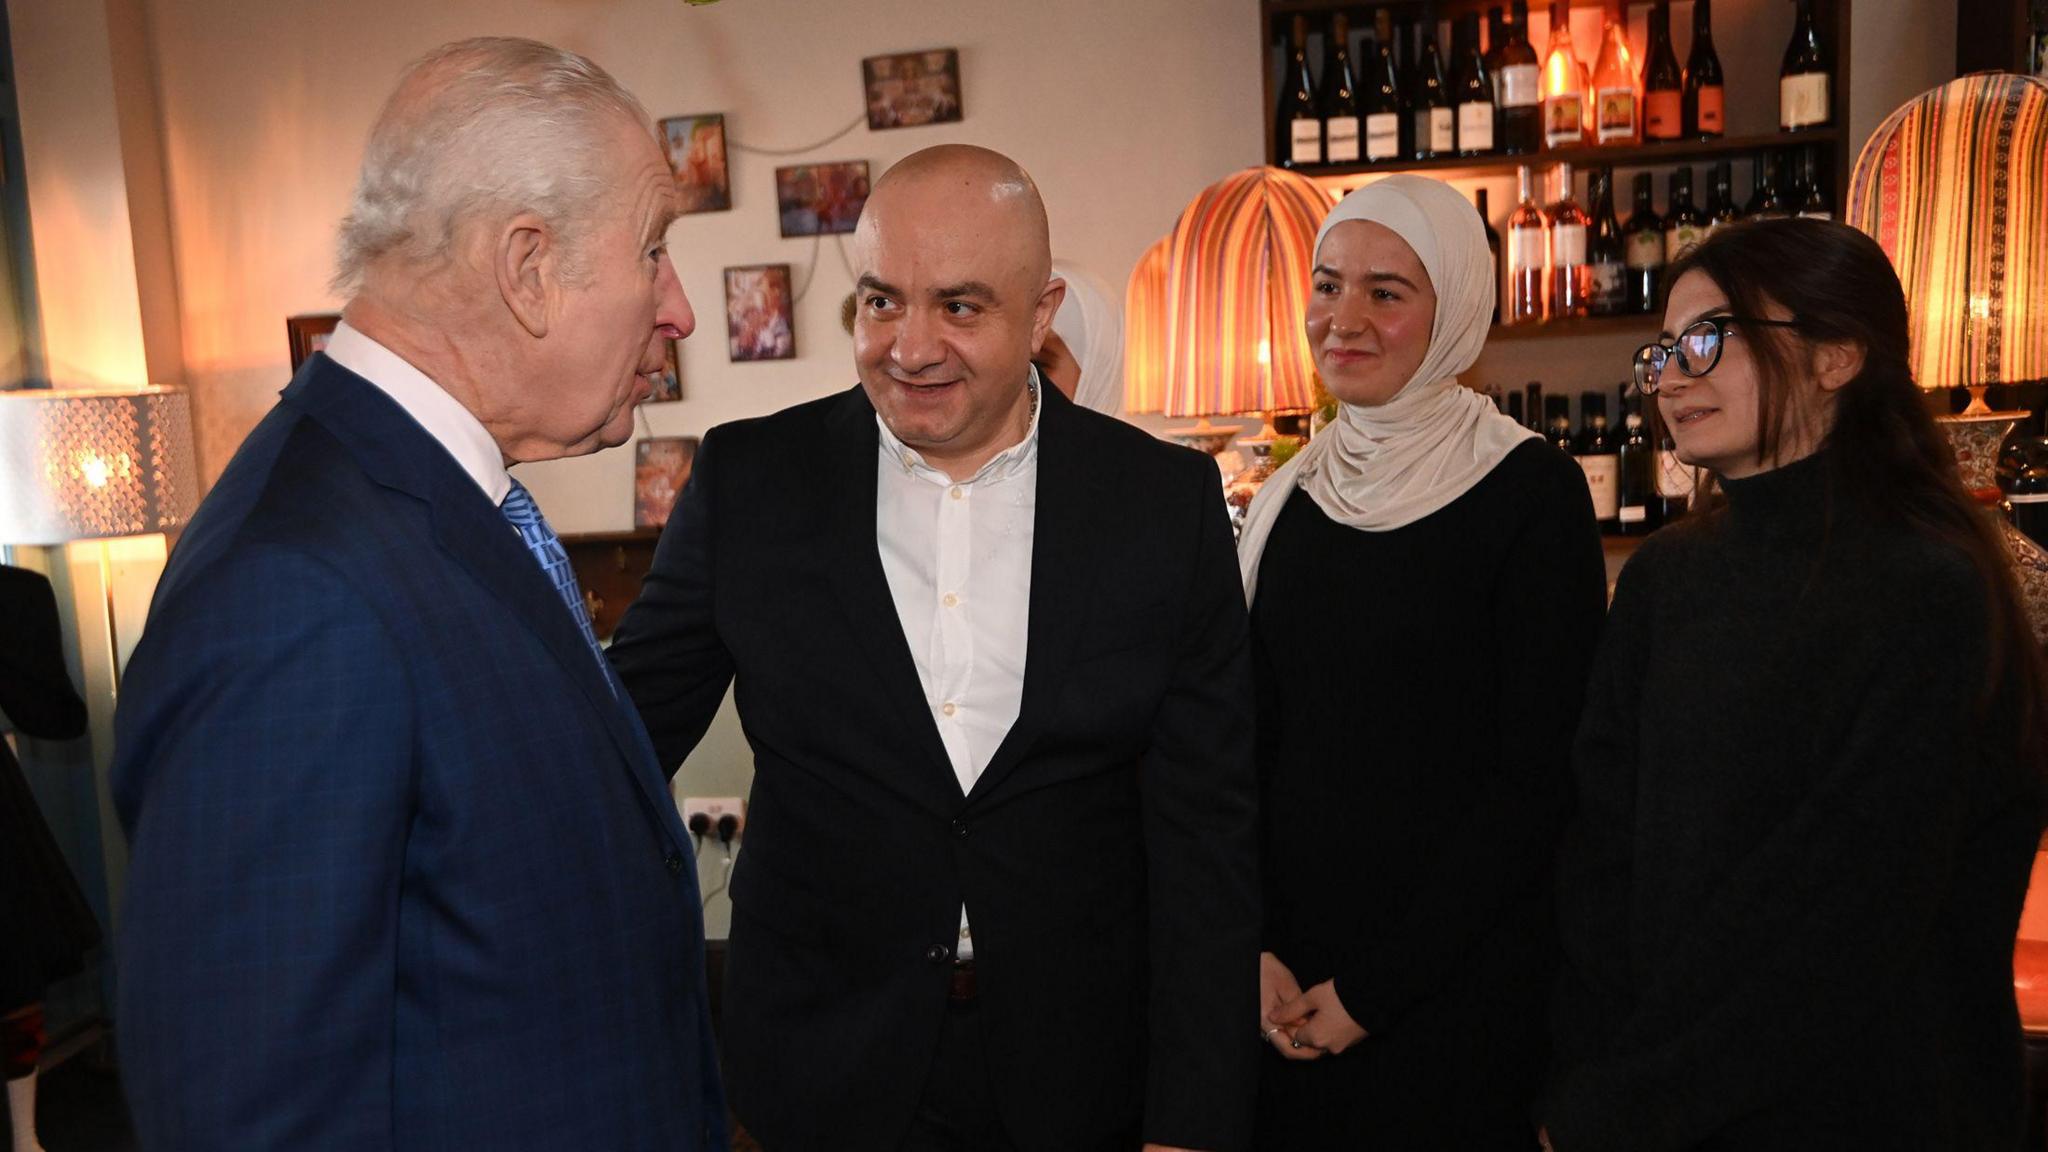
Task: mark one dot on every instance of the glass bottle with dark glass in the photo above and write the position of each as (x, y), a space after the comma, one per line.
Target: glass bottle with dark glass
(1644, 236)
(1571, 274)
(1721, 210)
(1533, 390)
(1383, 95)
(1764, 201)
(1805, 79)
(1663, 84)
(1521, 89)
(1637, 459)
(1298, 131)
(1429, 98)
(1675, 482)
(1472, 90)
(1813, 200)
(1704, 105)
(1683, 224)
(1606, 250)
(1557, 423)
(1493, 246)
(1340, 96)
(1598, 458)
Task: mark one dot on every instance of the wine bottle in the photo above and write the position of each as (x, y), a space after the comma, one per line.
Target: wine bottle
(1557, 424)
(1683, 225)
(1616, 114)
(1703, 109)
(1429, 98)
(1521, 89)
(1721, 210)
(1571, 276)
(1645, 236)
(1383, 95)
(1764, 201)
(1492, 246)
(1299, 133)
(1534, 391)
(1663, 98)
(1813, 203)
(1340, 96)
(1598, 459)
(1675, 482)
(1528, 253)
(1564, 88)
(1606, 250)
(1512, 405)
(1496, 35)
(1474, 91)
(1805, 81)
(1637, 468)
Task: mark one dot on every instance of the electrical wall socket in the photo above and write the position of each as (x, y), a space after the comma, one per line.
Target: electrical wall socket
(714, 807)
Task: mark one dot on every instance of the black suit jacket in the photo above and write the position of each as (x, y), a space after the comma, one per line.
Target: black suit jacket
(1106, 856)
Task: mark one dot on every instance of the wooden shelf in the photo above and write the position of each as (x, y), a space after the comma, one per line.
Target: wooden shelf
(1636, 156)
(1644, 323)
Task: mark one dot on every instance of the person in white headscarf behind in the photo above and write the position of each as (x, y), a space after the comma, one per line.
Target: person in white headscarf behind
(1426, 585)
(1083, 355)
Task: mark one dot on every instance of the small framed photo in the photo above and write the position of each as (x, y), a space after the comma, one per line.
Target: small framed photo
(912, 88)
(661, 466)
(670, 385)
(759, 313)
(309, 334)
(821, 199)
(696, 153)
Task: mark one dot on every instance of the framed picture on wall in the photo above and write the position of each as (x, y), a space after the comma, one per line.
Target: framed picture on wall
(661, 466)
(760, 321)
(669, 386)
(911, 89)
(309, 334)
(696, 153)
(821, 199)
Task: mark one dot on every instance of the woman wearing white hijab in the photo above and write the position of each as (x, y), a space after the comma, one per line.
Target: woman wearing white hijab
(1426, 590)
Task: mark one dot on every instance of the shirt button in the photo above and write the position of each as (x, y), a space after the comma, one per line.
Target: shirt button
(948, 708)
(909, 461)
(956, 493)
(951, 601)
(938, 954)
(675, 863)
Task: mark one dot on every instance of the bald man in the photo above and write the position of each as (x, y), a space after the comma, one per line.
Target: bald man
(990, 651)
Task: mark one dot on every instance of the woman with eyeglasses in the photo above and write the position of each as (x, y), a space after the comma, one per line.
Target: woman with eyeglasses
(1426, 587)
(1808, 775)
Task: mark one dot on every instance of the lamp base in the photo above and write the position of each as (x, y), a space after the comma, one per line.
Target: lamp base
(1975, 436)
(1209, 439)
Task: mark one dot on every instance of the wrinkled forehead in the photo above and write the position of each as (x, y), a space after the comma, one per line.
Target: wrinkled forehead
(905, 239)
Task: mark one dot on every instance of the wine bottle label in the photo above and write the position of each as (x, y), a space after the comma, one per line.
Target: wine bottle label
(1646, 249)
(1674, 476)
(1634, 513)
(1614, 112)
(1803, 100)
(1610, 287)
(1814, 214)
(2027, 497)
(1661, 115)
(1475, 127)
(1382, 135)
(1710, 110)
(1342, 132)
(1564, 120)
(1306, 146)
(1520, 86)
(1434, 126)
(1526, 251)
(1603, 479)
(1567, 245)
(1680, 240)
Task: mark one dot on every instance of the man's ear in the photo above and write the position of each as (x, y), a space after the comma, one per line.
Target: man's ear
(1042, 313)
(526, 260)
(1836, 362)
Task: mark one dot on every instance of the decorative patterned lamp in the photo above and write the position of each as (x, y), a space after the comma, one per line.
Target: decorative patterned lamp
(91, 464)
(1145, 329)
(1954, 187)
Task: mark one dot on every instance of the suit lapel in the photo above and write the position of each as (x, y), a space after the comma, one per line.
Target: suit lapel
(863, 587)
(400, 454)
(1074, 489)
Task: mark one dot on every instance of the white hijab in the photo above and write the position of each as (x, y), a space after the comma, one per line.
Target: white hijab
(1379, 468)
(1091, 321)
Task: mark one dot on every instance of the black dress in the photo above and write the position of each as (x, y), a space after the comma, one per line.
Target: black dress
(1789, 896)
(1418, 689)
(46, 927)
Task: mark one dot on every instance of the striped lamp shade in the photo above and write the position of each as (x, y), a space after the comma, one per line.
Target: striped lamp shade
(1237, 281)
(1145, 343)
(1954, 187)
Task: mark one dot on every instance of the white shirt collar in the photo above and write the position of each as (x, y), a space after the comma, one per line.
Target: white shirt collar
(444, 418)
(1005, 464)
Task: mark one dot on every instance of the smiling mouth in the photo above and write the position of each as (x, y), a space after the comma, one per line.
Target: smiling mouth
(1693, 415)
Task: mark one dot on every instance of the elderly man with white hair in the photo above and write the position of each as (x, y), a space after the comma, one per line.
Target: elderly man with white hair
(405, 871)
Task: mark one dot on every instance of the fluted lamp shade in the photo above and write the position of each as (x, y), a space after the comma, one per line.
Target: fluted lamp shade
(86, 464)
(1237, 283)
(1954, 187)
(1145, 331)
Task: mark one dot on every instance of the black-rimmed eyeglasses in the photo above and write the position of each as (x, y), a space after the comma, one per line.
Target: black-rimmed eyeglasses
(1697, 348)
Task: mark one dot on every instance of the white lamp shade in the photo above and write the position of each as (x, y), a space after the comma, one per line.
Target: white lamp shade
(86, 464)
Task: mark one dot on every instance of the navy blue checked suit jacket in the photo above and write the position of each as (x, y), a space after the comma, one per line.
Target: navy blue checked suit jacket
(405, 874)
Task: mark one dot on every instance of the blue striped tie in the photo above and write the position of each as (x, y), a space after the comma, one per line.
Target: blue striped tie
(547, 549)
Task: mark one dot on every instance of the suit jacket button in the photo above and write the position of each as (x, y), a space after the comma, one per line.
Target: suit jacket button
(938, 953)
(675, 863)
(960, 829)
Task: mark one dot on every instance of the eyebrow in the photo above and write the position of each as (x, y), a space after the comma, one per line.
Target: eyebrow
(1718, 309)
(1370, 277)
(966, 289)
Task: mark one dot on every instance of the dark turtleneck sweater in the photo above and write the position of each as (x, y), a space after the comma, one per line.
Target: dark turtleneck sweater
(1803, 835)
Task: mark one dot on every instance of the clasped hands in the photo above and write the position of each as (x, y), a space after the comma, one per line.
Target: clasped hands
(1302, 1025)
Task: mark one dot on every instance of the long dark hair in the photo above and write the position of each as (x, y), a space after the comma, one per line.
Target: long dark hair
(1883, 449)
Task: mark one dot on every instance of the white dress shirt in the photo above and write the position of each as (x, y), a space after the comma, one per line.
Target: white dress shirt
(443, 417)
(958, 560)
